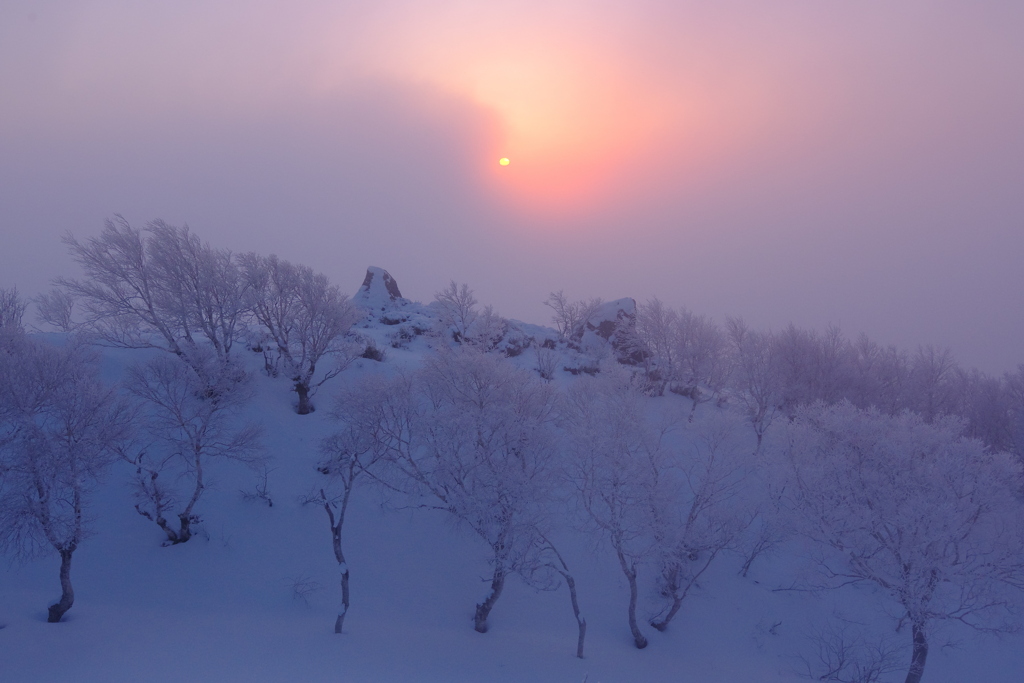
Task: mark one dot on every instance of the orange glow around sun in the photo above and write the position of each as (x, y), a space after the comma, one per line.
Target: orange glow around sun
(569, 112)
(566, 119)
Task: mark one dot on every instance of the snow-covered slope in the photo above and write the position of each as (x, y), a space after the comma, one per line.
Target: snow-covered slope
(254, 597)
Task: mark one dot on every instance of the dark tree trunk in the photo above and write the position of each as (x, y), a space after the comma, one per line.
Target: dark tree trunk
(484, 608)
(337, 522)
(340, 621)
(919, 655)
(580, 621)
(754, 552)
(679, 589)
(185, 531)
(343, 569)
(305, 406)
(662, 624)
(630, 571)
(67, 597)
(671, 577)
(185, 517)
(570, 582)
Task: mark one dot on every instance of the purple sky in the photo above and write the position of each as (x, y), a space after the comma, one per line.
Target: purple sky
(857, 163)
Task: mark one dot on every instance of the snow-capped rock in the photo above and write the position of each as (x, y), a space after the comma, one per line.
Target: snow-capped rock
(379, 291)
(611, 325)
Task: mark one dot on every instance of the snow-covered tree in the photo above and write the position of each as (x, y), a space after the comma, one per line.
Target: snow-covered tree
(187, 425)
(619, 469)
(487, 456)
(705, 512)
(657, 328)
(569, 316)
(305, 319)
(812, 366)
(457, 308)
(701, 353)
(934, 389)
(60, 428)
(473, 436)
(755, 376)
(930, 518)
(986, 404)
(56, 308)
(1014, 388)
(365, 412)
(12, 309)
(164, 288)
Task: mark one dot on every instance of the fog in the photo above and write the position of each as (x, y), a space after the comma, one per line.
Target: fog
(848, 163)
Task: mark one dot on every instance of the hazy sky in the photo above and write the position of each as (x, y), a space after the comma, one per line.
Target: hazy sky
(857, 162)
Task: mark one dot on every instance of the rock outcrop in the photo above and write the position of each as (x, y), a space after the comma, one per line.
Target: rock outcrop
(611, 325)
(379, 290)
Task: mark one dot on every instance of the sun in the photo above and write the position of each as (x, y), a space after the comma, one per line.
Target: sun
(503, 161)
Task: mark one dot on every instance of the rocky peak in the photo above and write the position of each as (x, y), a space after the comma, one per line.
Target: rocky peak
(378, 291)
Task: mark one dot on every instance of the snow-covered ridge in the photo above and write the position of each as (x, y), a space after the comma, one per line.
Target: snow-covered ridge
(461, 413)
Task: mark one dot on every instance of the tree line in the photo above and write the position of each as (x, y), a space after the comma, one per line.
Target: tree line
(877, 466)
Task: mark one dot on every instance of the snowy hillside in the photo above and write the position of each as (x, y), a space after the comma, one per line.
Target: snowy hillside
(254, 594)
(254, 597)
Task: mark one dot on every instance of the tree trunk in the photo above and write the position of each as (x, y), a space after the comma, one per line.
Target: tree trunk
(484, 608)
(185, 517)
(343, 570)
(630, 572)
(677, 601)
(570, 582)
(67, 597)
(305, 407)
(336, 525)
(919, 655)
(745, 569)
(671, 576)
(340, 621)
(185, 531)
(580, 621)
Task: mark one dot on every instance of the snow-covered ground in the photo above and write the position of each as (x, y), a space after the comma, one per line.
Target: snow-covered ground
(254, 596)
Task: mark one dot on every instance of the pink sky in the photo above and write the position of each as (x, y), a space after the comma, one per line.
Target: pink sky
(857, 163)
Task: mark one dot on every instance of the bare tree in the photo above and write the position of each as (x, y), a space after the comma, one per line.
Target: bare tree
(933, 375)
(932, 519)
(702, 358)
(457, 307)
(619, 470)
(657, 327)
(347, 455)
(166, 289)
(1014, 387)
(487, 458)
(188, 428)
(56, 308)
(306, 319)
(569, 315)
(557, 563)
(12, 309)
(472, 436)
(59, 431)
(547, 361)
(755, 376)
(846, 652)
(706, 510)
(987, 406)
